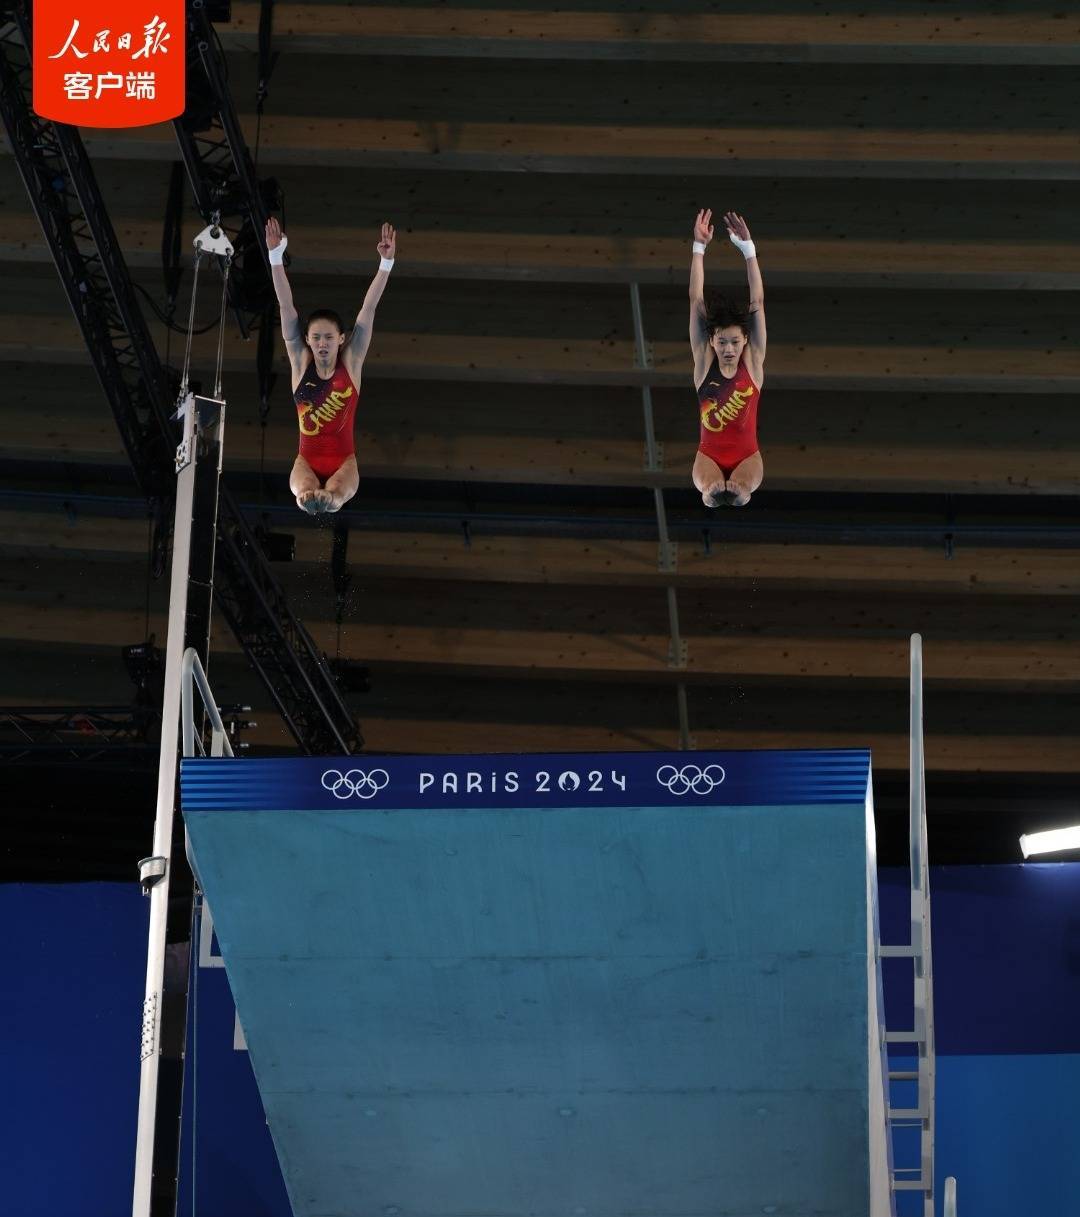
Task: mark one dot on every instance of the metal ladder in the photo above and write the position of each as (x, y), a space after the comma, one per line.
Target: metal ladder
(918, 949)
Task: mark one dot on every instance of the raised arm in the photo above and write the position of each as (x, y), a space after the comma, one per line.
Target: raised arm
(276, 241)
(699, 339)
(739, 234)
(360, 339)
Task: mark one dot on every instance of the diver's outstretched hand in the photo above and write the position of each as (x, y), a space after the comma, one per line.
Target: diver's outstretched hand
(274, 235)
(387, 241)
(703, 226)
(736, 227)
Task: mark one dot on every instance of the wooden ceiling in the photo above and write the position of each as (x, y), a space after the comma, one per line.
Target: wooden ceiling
(912, 180)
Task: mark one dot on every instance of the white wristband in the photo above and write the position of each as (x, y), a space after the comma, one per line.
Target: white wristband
(386, 264)
(746, 248)
(277, 255)
(698, 247)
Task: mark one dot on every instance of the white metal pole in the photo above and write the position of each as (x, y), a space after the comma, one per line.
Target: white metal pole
(155, 870)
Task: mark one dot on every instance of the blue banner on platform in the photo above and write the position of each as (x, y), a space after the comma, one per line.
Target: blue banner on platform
(607, 779)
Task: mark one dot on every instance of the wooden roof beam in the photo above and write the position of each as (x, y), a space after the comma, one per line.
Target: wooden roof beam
(596, 149)
(1014, 265)
(29, 614)
(731, 37)
(433, 557)
(838, 368)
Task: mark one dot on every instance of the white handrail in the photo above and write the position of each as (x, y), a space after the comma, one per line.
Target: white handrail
(950, 1197)
(917, 763)
(191, 673)
(921, 950)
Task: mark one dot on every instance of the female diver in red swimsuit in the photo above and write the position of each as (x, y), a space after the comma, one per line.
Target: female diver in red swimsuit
(326, 368)
(728, 344)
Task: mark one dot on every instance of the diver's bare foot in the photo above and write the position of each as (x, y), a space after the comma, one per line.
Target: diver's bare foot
(315, 502)
(737, 495)
(716, 496)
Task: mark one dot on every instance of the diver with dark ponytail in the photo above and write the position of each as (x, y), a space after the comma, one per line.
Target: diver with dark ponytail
(728, 346)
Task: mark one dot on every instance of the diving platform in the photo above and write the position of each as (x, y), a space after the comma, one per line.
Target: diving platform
(621, 985)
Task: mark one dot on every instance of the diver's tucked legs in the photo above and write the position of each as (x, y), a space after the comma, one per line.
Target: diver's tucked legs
(303, 483)
(745, 478)
(709, 479)
(340, 486)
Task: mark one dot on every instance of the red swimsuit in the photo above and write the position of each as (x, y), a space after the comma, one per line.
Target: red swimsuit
(728, 416)
(325, 410)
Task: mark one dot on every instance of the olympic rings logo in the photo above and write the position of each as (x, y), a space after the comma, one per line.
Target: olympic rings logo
(355, 782)
(690, 778)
